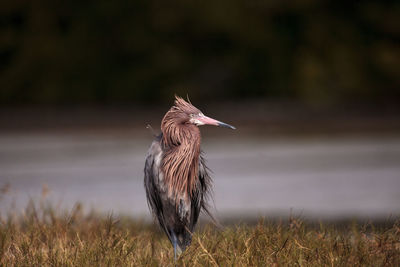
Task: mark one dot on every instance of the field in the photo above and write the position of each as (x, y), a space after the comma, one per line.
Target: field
(45, 237)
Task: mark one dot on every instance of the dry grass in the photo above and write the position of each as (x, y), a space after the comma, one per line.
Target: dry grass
(44, 238)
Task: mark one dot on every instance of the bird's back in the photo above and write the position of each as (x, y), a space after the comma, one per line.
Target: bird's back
(176, 212)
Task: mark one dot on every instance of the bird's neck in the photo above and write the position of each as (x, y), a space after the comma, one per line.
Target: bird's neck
(180, 164)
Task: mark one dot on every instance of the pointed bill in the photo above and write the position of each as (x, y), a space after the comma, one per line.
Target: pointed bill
(201, 119)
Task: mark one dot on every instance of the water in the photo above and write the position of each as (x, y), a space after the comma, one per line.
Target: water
(314, 176)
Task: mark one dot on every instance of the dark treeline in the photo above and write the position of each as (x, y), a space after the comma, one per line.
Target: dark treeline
(123, 52)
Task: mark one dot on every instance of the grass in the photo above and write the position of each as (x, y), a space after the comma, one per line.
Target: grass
(45, 238)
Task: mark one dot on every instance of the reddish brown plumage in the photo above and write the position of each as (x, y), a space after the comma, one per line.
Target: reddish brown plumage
(181, 140)
(176, 178)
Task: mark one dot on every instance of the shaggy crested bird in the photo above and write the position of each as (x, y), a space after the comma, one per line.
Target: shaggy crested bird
(175, 175)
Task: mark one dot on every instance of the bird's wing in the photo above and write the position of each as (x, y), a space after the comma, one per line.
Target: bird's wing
(151, 181)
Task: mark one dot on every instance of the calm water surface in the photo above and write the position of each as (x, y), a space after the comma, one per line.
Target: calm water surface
(317, 177)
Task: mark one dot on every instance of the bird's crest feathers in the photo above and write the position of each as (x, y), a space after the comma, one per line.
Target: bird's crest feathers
(184, 106)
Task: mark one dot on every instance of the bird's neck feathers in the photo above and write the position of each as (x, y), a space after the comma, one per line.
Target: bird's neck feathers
(180, 164)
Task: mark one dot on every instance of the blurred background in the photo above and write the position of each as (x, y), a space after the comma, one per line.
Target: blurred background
(313, 88)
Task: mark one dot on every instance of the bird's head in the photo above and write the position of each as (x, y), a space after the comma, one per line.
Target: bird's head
(184, 112)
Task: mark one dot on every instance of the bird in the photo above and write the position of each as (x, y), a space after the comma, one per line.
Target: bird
(176, 178)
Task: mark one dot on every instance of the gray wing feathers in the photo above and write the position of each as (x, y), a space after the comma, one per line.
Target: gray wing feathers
(151, 183)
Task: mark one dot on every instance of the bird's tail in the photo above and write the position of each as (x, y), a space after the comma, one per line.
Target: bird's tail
(206, 209)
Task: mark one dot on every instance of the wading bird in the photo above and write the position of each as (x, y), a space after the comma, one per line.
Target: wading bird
(175, 175)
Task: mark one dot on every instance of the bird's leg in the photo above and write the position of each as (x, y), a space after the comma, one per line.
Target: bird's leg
(174, 243)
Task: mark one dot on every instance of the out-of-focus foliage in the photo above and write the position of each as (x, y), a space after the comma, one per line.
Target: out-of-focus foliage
(111, 52)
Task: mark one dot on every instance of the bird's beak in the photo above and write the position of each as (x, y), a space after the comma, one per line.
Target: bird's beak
(204, 120)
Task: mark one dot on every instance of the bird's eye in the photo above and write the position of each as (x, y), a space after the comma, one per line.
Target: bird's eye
(191, 115)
